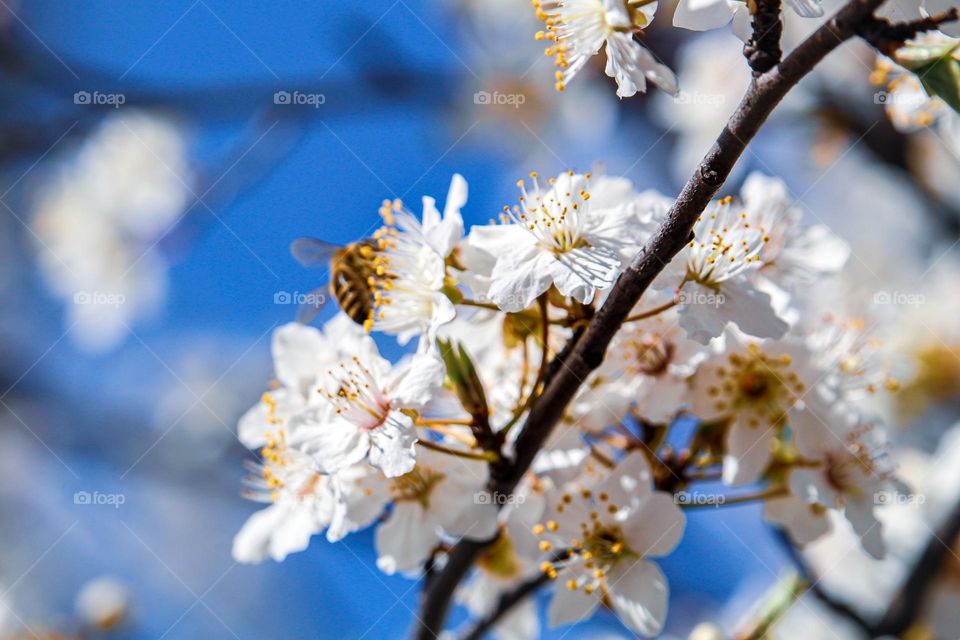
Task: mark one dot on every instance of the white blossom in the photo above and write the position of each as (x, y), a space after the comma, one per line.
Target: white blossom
(440, 495)
(368, 412)
(758, 389)
(578, 29)
(612, 530)
(574, 235)
(410, 265)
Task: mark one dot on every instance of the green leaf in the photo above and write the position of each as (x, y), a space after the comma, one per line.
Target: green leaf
(936, 67)
(463, 376)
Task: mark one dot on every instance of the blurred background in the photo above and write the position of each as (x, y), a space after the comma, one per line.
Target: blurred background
(156, 161)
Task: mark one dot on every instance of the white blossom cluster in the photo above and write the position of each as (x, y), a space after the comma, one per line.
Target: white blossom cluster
(347, 439)
(97, 220)
(577, 30)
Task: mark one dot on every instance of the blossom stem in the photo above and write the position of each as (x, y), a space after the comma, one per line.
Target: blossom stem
(429, 422)
(524, 369)
(541, 374)
(649, 313)
(470, 441)
(487, 456)
(705, 476)
(601, 457)
(724, 501)
(782, 596)
(479, 305)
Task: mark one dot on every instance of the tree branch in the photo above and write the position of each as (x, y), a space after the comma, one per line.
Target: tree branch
(763, 50)
(585, 352)
(887, 37)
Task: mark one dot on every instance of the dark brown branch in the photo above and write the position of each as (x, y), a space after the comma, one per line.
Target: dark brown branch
(586, 351)
(507, 601)
(763, 50)
(887, 37)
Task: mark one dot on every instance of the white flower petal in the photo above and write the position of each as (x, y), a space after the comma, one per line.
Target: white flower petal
(656, 528)
(748, 451)
(802, 521)
(393, 445)
(418, 383)
(702, 15)
(296, 351)
(806, 8)
(521, 274)
(860, 515)
(332, 443)
(406, 539)
(639, 597)
(568, 607)
(276, 531)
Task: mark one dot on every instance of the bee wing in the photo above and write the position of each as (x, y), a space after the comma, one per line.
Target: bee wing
(309, 309)
(313, 252)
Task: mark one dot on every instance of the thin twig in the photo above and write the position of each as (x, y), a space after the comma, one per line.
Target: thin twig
(486, 456)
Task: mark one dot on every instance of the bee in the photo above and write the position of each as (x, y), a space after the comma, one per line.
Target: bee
(360, 272)
(354, 271)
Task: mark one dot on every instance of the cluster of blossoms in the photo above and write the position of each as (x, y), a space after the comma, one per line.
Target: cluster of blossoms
(578, 29)
(347, 439)
(120, 191)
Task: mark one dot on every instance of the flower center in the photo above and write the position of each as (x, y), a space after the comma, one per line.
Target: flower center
(553, 217)
(753, 384)
(600, 544)
(726, 243)
(652, 354)
(358, 397)
(416, 486)
(758, 384)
